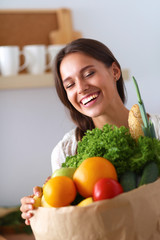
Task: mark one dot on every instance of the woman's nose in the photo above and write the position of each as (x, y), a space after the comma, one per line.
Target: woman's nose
(81, 86)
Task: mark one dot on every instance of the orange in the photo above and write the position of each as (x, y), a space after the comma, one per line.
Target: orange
(90, 171)
(59, 191)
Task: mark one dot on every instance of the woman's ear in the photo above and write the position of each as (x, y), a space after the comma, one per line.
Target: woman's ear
(116, 71)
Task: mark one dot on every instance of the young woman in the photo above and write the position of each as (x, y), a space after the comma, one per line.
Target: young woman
(89, 83)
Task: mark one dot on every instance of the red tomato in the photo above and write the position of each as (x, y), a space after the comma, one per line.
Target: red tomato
(106, 188)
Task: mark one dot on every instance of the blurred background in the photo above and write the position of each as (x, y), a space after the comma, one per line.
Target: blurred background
(32, 121)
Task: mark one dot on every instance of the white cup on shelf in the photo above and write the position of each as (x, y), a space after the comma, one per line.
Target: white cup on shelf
(36, 56)
(52, 51)
(10, 60)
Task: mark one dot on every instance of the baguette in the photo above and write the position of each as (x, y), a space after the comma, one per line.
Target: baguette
(135, 122)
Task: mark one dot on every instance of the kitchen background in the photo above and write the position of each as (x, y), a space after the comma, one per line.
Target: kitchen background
(32, 121)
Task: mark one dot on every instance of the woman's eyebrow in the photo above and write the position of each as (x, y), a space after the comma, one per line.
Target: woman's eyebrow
(85, 68)
(81, 71)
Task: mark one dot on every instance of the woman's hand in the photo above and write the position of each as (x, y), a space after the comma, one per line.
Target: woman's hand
(27, 203)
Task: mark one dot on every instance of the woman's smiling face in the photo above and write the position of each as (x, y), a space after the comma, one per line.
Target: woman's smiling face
(89, 84)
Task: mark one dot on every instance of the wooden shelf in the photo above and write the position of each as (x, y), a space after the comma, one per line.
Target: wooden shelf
(25, 80)
(21, 81)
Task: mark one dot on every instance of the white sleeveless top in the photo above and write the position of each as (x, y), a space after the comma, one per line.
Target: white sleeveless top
(68, 145)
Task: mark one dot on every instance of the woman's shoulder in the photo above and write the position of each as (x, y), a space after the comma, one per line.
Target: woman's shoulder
(68, 144)
(66, 147)
(155, 118)
(69, 136)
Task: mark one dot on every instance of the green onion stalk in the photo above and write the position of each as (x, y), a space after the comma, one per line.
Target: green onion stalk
(147, 127)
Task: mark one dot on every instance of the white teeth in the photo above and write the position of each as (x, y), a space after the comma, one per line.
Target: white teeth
(88, 99)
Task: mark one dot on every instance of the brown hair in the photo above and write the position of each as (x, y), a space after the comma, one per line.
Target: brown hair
(98, 51)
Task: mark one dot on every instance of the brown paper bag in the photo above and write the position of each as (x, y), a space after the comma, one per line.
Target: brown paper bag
(130, 216)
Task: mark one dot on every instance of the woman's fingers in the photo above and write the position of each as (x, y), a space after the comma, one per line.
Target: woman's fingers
(26, 200)
(27, 222)
(37, 191)
(47, 179)
(27, 204)
(26, 215)
(26, 207)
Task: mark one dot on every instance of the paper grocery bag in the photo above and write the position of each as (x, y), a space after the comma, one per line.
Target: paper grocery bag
(130, 216)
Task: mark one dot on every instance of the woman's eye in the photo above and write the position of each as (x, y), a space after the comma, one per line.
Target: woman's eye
(88, 74)
(69, 85)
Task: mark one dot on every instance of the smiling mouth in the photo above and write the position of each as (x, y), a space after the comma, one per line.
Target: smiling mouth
(89, 99)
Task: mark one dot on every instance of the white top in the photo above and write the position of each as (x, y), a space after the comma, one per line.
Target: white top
(68, 145)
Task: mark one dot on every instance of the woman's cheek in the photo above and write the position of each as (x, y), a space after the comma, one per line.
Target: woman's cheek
(72, 98)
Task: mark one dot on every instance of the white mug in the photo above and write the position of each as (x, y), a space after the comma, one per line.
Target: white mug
(36, 58)
(52, 51)
(10, 60)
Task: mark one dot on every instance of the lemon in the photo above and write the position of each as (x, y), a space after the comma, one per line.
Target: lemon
(85, 202)
(37, 202)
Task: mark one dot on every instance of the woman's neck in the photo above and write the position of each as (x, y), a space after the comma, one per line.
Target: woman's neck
(118, 117)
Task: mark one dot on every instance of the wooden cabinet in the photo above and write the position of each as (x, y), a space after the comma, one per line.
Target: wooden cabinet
(31, 26)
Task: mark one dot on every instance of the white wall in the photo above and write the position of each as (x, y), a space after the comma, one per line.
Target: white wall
(33, 121)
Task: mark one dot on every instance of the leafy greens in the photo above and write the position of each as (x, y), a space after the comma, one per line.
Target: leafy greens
(116, 145)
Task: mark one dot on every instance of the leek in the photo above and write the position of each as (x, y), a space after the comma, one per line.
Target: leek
(148, 127)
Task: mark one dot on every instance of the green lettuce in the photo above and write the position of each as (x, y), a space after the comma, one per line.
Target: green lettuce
(116, 145)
